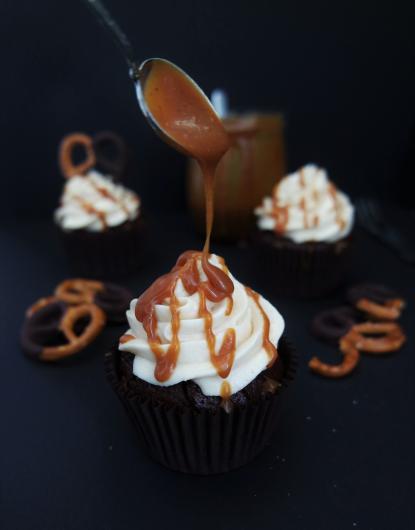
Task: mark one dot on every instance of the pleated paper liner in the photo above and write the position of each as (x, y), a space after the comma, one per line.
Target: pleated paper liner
(303, 270)
(207, 441)
(108, 254)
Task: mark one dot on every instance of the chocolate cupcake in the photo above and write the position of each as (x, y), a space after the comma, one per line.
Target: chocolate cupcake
(203, 369)
(98, 219)
(304, 234)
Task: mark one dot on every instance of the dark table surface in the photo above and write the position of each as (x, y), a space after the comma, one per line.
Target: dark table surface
(342, 458)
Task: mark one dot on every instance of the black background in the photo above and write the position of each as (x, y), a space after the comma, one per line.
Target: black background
(343, 75)
(341, 72)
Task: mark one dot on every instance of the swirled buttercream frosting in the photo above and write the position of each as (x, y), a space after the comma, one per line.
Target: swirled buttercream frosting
(199, 323)
(94, 202)
(306, 206)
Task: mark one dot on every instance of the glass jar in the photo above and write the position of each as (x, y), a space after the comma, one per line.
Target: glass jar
(246, 173)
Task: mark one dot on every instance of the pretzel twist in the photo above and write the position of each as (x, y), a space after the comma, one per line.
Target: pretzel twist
(391, 337)
(42, 302)
(67, 325)
(78, 291)
(351, 357)
(390, 310)
(68, 168)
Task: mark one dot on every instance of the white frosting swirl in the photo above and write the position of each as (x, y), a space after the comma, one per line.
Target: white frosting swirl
(313, 209)
(94, 202)
(194, 362)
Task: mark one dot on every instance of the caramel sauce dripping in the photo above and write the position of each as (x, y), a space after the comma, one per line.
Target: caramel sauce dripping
(215, 288)
(225, 390)
(187, 116)
(126, 338)
(266, 343)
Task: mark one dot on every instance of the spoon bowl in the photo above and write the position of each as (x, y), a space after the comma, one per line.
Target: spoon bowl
(178, 110)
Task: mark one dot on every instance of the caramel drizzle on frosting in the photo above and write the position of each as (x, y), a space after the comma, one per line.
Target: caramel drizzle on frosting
(108, 195)
(87, 206)
(281, 213)
(225, 390)
(126, 338)
(266, 343)
(339, 220)
(303, 202)
(215, 288)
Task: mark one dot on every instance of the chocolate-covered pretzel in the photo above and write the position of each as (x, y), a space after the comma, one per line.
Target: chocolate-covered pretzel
(332, 324)
(377, 337)
(377, 301)
(111, 153)
(56, 330)
(113, 299)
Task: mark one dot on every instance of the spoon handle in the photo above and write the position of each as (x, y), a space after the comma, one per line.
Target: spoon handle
(102, 14)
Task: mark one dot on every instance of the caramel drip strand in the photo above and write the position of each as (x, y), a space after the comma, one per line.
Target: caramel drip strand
(266, 343)
(93, 211)
(225, 390)
(126, 338)
(166, 363)
(225, 269)
(108, 195)
(208, 170)
(281, 214)
(207, 317)
(333, 193)
(223, 360)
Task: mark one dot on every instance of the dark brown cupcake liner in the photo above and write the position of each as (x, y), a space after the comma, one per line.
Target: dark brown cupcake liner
(305, 270)
(204, 442)
(110, 254)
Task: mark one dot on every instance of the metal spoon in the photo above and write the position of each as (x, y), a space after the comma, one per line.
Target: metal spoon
(139, 74)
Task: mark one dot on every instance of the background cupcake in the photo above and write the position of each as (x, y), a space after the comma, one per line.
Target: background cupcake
(304, 233)
(202, 380)
(99, 219)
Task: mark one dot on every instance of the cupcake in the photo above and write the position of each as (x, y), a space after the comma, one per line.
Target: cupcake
(303, 233)
(98, 218)
(203, 367)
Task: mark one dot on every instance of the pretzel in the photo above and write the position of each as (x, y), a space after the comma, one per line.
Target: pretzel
(66, 150)
(391, 339)
(42, 302)
(115, 165)
(389, 310)
(76, 342)
(350, 360)
(332, 324)
(78, 291)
